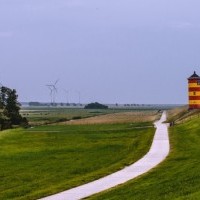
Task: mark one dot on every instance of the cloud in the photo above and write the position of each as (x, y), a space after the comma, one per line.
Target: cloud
(5, 34)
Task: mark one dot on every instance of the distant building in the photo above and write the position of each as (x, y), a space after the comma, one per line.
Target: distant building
(194, 91)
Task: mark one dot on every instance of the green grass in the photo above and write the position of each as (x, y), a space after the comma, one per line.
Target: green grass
(177, 178)
(49, 159)
(48, 115)
(42, 116)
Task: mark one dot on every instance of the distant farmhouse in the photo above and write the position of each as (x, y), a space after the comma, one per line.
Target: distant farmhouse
(194, 91)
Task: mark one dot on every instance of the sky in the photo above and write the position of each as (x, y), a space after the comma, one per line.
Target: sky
(110, 51)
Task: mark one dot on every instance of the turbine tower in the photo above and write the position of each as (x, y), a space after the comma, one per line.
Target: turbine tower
(53, 91)
(67, 95)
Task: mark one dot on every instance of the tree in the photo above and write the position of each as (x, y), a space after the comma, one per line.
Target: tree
(2, 97)
(10, 107)
(96, 105)
(34, 103)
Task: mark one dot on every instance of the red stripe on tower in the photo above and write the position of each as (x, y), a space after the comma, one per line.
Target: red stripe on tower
(194, 87)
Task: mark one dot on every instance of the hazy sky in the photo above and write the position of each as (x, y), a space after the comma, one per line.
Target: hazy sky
(125, 51)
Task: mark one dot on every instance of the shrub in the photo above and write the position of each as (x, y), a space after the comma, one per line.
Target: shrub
(96, 105)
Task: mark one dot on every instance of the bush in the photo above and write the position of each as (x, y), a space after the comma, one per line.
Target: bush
(24, 123)
(5, 124)
(96, 105)
(76, 117)
(62, 120)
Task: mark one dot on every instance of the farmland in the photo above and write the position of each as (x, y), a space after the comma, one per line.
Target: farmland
(48, 159)
(122, 117)
(49, 115)
(43, 116)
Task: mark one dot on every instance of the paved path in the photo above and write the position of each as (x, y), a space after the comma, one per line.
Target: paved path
(157, 153)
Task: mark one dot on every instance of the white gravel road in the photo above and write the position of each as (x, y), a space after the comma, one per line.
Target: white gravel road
(157, 153)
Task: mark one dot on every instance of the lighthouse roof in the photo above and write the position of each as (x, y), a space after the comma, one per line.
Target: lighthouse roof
(194, 76)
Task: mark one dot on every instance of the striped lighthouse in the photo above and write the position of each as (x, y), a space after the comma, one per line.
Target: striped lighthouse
(194, 91)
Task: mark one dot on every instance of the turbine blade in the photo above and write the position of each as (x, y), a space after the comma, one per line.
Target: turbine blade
(56, 82)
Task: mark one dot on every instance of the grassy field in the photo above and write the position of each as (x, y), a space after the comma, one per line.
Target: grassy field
(177, 178)
(47, 159)
(121, 117)
(43, 116)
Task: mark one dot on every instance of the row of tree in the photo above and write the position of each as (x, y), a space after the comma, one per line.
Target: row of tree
(9, 109)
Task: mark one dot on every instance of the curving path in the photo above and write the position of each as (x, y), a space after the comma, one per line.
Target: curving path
(157, 153)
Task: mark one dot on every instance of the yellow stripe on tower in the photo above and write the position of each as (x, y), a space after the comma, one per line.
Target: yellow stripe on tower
(191, 94)
(193, 85)
(194, 102)
(194, 91)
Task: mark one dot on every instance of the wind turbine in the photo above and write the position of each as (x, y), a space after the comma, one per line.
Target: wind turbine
(53, 91)
(67, 95)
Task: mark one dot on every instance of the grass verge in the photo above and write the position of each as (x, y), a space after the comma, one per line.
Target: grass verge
(49, 159)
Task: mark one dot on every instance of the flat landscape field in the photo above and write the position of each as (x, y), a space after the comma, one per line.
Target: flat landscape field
(177, 178)
(44, 160)
(43, 116)
(116, 118)
(48, 115)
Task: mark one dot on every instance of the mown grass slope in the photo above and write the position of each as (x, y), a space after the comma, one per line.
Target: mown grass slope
(177, 178)
(45, 160)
